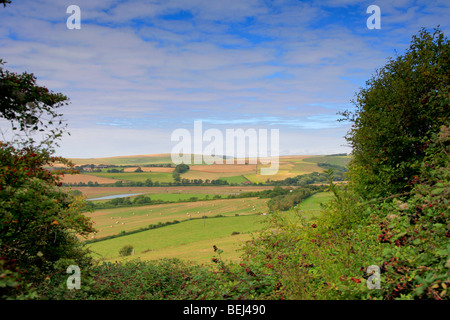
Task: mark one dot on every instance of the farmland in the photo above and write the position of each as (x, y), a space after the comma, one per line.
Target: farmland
(159, 168)
(192, 218)
(229, 223)
(116, 220)
(96, 192)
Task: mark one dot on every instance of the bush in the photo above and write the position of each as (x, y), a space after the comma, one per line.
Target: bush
(126, 250)
(38, 220)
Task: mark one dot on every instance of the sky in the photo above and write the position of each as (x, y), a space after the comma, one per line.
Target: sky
(138, 70)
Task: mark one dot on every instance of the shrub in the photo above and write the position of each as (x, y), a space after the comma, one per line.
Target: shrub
(126, 250)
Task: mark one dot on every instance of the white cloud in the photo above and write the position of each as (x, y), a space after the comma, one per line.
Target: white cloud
(133, 75)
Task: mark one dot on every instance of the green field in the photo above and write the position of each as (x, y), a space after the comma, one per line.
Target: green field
(113, 221)
(334, 160)
(189, 239)
(235, 179)
(311, 206)
(180, 235)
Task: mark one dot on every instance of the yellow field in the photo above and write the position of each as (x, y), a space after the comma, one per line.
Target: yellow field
(236, 169)
(76, 178)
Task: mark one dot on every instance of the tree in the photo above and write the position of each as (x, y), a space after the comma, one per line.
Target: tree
(402, 106)
(39, 221)
(30, 109)
(179, 169)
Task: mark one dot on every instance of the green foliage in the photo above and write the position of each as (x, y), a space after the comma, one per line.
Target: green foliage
(403, 104)
(30, 108)
(12, 284)
(181, 168)
(289, 199)
(168, 279)
(126, 250)
(314, 177)
(38, 220)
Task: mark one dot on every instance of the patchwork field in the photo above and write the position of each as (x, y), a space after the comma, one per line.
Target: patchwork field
(289, 166)
(228, 222)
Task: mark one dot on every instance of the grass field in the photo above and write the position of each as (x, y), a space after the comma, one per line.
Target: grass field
(147, 169)
(113, 221)
(334, 160)
(235, 179)
(179, 238)
(191, 239)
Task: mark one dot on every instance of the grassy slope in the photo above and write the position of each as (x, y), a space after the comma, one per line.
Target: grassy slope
(193, 240)
(180, 239)
(109, 221)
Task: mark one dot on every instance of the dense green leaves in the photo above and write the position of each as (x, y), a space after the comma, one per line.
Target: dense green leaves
(402, 105)
(30, 108)
(39, 221)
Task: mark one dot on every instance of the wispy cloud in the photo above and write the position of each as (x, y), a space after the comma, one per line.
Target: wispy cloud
(143, 68)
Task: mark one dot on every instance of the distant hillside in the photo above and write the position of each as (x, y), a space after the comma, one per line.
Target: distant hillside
(123, 168)
(125, 160)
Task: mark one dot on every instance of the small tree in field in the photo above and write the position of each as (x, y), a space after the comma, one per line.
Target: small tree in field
(126, 250)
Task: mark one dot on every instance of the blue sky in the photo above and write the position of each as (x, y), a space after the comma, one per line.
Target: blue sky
(137, 70)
